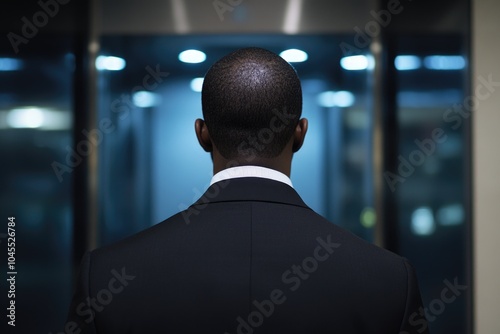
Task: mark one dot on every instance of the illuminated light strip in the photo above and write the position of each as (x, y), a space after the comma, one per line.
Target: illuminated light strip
(181, 24)
(444, 62)
(192, 56)
(357, 63)
(110, 63)
(292, 16)
(294, 55)
(407, 62)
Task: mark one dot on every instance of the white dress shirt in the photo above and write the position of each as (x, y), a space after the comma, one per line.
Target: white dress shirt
(251, 171)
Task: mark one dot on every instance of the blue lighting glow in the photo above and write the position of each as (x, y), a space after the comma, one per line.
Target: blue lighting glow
(450, 215)
(192, 56)
(38, 118)
(357, 63)
(294, 55)
(422, 221)
(29, 117)
(342, 99)
(110, 63)
(196, 84)
(145, 99)
(444, 62)
(10, 64)
(407, 62)
(327, 99)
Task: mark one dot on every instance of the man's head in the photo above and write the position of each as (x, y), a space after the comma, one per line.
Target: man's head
(252, 102)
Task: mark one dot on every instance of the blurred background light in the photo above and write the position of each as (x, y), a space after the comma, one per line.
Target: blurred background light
(341, 99)
(196, 84)
(327, 99)
(35, 118)
(452, 214)
(444, 62)
(407, 62)
(145, 99)
(30, 117)
(179, 16)
(294, 55)
(192, 56)
(292, 16)
(368, 217)
(344, 99)
(426, 99)
(110, 63)
(422, 221)
(10, 64)
(357, 63)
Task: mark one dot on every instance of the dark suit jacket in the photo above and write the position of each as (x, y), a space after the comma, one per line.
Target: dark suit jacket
(248, 257)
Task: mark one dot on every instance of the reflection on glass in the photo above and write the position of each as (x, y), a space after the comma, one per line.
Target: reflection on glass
(431, 195)
(332, 171)
(35, 132)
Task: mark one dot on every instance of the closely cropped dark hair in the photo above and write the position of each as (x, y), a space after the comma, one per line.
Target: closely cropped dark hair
(251, 100)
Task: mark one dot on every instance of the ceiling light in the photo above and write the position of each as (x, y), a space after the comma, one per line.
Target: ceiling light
(145, 99)
(407, 62)
(294, 55)
(327, 99)
(344, 99)
(29, 117)
(357, 63)
(192, 56)
(444, 62)
(331, 99)
(10, 64)
(292, 16)
(110, 63)
(422, 221)
(36, 118)
(197, 84)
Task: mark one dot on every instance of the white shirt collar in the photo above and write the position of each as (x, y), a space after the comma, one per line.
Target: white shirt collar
(251, 171)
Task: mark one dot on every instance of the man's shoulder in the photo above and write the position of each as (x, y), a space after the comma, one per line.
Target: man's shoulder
(355, 245)
(296, 228)
(150, 238)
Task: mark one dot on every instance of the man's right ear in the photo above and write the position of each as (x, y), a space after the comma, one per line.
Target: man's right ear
(203, 136)
(299, 134)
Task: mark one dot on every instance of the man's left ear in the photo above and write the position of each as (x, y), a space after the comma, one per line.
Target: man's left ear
(299, 134)
(203, 136)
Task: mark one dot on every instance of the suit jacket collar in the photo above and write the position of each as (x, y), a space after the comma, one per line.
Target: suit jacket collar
(251, 189)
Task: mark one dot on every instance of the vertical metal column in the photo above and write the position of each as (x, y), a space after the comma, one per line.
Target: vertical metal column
(93, 123)
(468, 189)
(390, 145)
(378, 154)
(385, 136)
(85, 214)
